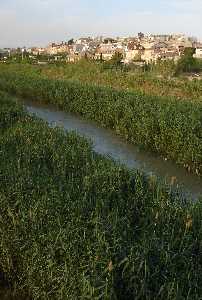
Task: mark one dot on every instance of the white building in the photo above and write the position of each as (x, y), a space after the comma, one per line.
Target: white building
(198, 53)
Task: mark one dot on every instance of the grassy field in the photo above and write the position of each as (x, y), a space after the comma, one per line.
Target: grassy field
(166, 125)
(158, 82)
(74, 225)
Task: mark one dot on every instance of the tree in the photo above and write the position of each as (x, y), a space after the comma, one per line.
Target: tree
(101, 58)
(70, 42)
(189, 52)
(116, 58)
(187, 63)
(140, 35)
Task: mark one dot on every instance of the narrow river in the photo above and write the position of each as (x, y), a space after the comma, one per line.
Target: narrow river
(107, 143)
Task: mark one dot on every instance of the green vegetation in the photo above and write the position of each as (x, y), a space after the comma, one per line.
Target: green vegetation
(27, 58)
(114, 63)
(73, 225)
(188, 63)
(154, 79)
(137, 58)
(116, 58)
(168, 126)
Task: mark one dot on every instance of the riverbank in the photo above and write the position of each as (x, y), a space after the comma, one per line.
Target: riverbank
(106, 142)
(75, 225)
(167, 126)
(157, 82)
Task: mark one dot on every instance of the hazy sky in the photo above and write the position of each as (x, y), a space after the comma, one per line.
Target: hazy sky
(37, 22)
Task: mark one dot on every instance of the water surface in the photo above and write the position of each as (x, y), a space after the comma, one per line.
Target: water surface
(107, 143)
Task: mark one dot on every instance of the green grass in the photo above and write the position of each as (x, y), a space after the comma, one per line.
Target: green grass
(166, 125)
(74, 225)
(157, 82)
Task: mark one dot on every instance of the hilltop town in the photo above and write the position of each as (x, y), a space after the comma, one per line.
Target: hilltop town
(141, 48)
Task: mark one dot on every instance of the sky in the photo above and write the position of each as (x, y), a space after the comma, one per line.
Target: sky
(39, 22)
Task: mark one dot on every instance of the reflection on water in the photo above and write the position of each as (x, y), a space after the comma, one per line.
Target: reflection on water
(106, 142)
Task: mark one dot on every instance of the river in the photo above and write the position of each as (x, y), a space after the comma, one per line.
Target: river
(107, 143)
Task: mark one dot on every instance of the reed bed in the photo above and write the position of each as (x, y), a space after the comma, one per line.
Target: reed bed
(75, 225)
(166, 125)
